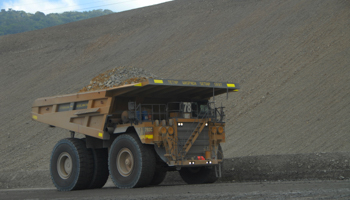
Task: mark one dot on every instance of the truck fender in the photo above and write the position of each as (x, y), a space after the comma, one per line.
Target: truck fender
(120, 130)
(127, 129)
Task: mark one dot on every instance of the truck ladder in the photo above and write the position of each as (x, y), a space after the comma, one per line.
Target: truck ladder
(194, 136)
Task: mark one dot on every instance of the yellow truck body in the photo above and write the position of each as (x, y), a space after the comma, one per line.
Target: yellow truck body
(175, 117)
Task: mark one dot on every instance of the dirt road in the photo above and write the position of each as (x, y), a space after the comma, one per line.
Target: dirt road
(253, 190)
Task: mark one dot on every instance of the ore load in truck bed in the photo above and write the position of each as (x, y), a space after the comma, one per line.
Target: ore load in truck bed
(117, 77)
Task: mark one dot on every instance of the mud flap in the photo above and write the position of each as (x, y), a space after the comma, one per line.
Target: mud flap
(161, 152)
(218, 170)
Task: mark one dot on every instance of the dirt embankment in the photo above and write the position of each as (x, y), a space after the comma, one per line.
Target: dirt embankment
(291, 59)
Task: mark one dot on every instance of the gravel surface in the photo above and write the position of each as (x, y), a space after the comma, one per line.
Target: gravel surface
(290, 57)
(316, 166)
(259, 190)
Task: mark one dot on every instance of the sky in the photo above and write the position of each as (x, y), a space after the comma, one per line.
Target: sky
(59, 6)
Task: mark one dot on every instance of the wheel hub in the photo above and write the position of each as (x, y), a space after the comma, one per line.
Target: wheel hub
(64, 165)
(125, 162)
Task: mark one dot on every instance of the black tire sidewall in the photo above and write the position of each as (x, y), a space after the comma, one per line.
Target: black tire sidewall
(100, 173)
(159, 176)
(125, 141)
(69, 183)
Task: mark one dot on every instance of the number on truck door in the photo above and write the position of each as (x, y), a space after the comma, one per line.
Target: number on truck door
(186, 107)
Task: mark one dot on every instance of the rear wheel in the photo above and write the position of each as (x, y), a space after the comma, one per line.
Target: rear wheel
(100, 174)
(131, 163)
(71, 165)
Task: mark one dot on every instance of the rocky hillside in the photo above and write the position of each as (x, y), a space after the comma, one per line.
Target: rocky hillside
(290, 57)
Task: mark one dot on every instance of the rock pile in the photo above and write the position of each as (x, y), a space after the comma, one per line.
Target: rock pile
(118, 76)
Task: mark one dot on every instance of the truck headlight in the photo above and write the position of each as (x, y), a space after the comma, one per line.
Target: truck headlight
(180, 124)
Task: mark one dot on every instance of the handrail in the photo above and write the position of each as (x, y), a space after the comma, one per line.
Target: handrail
(138, 112)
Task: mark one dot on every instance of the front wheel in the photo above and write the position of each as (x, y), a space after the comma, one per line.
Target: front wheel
(131, 163)
(159, 175)
(196, 175)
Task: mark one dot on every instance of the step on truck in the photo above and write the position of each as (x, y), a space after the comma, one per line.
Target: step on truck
(136, 133)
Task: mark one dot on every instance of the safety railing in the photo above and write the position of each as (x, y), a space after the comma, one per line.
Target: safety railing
(151, 112)
(147, 112)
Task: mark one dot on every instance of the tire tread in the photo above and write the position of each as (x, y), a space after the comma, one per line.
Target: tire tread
(85, 167)
(147, 161)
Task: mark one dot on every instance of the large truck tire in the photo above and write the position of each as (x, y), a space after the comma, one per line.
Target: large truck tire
(71, 165)
(212, 178)
(160, 171)
(131, 163)
(100, 173)
(195, 175)
(159, 175)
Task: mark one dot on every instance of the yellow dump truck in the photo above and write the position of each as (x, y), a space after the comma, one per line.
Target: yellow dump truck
(136, 133)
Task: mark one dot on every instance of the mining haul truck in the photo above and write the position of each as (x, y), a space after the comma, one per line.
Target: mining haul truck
(136, 133)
